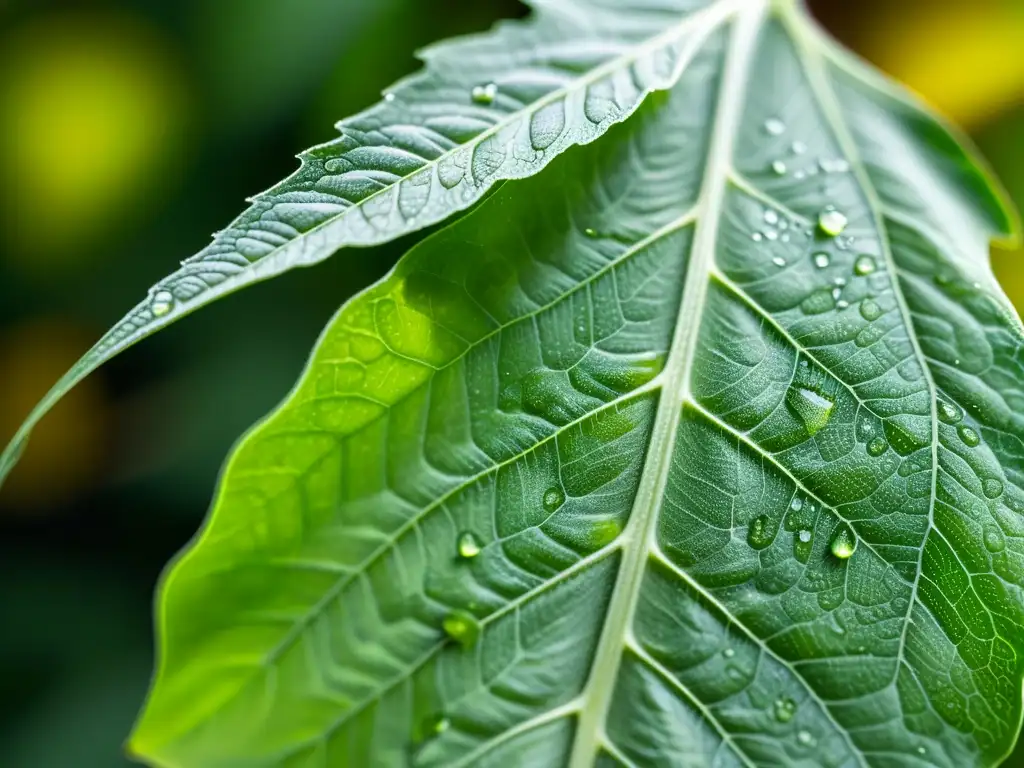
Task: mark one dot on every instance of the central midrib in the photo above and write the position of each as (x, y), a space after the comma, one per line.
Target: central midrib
(638, 538)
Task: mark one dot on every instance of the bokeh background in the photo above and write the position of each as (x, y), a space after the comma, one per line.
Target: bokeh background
(129, 129)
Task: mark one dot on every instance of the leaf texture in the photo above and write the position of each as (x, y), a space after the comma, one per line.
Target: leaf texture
(702, 448)
(486, 108)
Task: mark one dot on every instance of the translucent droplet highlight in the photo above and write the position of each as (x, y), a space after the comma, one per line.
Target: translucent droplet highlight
(462, 627)
(821, 260)
(774, 126)
(832, 222)
(163, 302)
(970, 437)
(992, 488)
(784, 709)
(844, 543)
(468, 546)
(553, 498)
(761, 532)
(864, 265)
(485, 94)
(814, 409)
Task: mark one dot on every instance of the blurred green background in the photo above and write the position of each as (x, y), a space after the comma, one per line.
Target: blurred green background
(128, 131)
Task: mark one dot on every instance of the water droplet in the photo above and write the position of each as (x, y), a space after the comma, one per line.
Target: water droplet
(778, 261)
(601, 533)
(553, 498)
(757, 237)
(162, 303)
(462, 627)
(949, 413)
(485, 94)
(805, 536)
(389, 97)
(797, 504)
(813, 408)
(774, 126)
(922, 751)
(805, 738)
(779, 167)
(844, 543)
(870, 310)
(821, 260)
(864, 265)
(842, 304)
(968, 435)
(832, 222)
(818, 303)
(761, 532)
(771, 217)
(771, 234)
(785, 709)
(799, 148)
(729, 653)
(992, 488)
(877, 447)
(994, 541)
(468, 546)
(441, 725)
(590, 232)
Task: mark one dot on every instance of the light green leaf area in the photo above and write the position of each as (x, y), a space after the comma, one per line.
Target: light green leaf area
(705, 447)
(486, 108)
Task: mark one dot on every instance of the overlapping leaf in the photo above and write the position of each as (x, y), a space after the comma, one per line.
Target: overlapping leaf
(703, 447)
(486, 108)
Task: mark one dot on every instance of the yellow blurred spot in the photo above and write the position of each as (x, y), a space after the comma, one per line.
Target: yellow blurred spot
(965, 58)
(68, 446)
(93, 109)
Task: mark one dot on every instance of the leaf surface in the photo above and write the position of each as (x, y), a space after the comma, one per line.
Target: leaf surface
(703, 447)
(486, 108)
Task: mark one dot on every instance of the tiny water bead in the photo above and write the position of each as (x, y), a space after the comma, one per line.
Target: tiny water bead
(968, 435)
(797, 504)
(590, 232)
(779, 168)
(468, 546)
(805, 738)
(774, 126)
(799, 148)
(864, 265)
(601, 533)
(162, 303)
(771, 217)
(870, 310)
(729, 653)
(778, 261)
(553, 498)
(462, 627)
(761, 532)
(832, 222)
(822, 260)
(814, 409)
(994, 540)
(877, 446)
(784, 709)
(949, 413)
(992, 488)
(485, 94)
(803, 543)
(389, 97)
(844, 543)
(441, 725)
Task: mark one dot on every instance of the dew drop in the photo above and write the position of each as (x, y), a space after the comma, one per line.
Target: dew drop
(778, 261)
(832, 222)
(797, 504)
(968, 435)
(590, 232)
(757, 237)
(485, 94)
(821, 260)
(771, 234)
(818, 303)
(805, 536)
(774, 126)
(844, 543)
(761, 532)
(779, 168)
(799, 148)
(162, 303)
(553, 498)
(603, 532)
(870, 310)
(922, 751)
(389, 97)
(812, 408)
(784, 709)
(729, 653)
(992, 488)
(805, 738)
(842, 304)
(462, 627)
(949, 413)
(441, 725)
(864, 265)
(771, 217)
(468, 546)
(994, 541)
(877, 447)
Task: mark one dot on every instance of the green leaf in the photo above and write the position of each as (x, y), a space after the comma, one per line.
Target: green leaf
(703, 447)
(486, 108)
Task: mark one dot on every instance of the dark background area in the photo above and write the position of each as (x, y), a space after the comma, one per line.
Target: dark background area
(129, 131)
